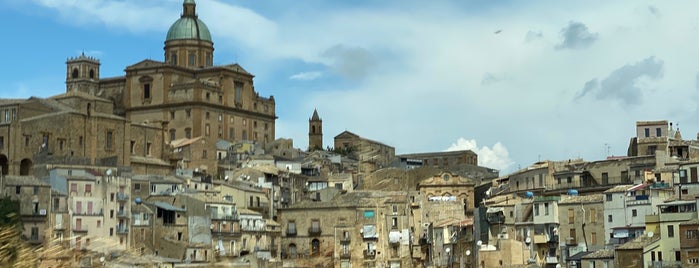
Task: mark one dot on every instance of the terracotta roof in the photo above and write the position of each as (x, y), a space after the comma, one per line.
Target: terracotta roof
(618, 189)
(639, 242)
(184, 142)
(600, 254)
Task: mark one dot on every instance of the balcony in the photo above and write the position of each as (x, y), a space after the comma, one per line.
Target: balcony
(291, 232)
(59, 227)
(345, 255)
(369, 254)
(82, 229)
(314, 231)
(571, 241)
(122, 214)
(664, 264)
(122, 230)
(551, 259)
(345, 239)
(86, 213)
(121, 197)
(233, 217)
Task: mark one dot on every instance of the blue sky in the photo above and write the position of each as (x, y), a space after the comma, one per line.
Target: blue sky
(515, 81)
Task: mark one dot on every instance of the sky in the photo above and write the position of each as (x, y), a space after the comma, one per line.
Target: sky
(515, 81)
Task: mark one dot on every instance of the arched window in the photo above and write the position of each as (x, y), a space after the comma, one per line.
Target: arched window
(173, 58)
(292, 250)
(92, 73)
(75, 73)
(313, 129)
(172, 134)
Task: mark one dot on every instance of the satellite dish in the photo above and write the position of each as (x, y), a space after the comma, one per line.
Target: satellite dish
(650, 234)
(528, 240)
(225, 178)
(468, 252)
(101, 259)
(447, 250)
(109, 172)
(479, 243)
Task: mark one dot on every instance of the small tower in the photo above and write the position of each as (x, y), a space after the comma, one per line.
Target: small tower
(83, 74)
(315, 132)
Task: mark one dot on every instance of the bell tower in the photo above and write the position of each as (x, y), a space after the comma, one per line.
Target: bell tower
(315, 132)
(83, 74)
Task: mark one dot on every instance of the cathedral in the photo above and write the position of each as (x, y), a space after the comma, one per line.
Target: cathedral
(158, 116)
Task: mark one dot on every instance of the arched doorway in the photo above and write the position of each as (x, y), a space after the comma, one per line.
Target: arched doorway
(292, 250)
(4, 164)
(315, 246)
(25, 167)
(233, 248)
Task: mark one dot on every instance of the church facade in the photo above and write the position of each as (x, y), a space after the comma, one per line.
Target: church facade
(135, 119)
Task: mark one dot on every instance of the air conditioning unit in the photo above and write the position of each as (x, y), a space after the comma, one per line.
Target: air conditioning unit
(373, 252)
(503, 236)
(224, 222)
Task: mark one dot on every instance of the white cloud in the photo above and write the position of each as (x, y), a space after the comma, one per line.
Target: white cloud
(306, 76)
(496, 157)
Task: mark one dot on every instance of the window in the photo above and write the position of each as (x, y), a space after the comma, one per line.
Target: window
(148, 148)
(692, 234)
(571, 216)
(569, 179)
(536, 209)
(137, 187)
(634, 213)
(172, 134)
(609, 197)
(173, 58)
(238, 92)
(18, 189)
(35, 233)
(220, 117)
(315, 226)
(670, 231)
(609, 218)
(108, 142)
(245, 134)
(231, 134)
(2, 142)
(573, 234)
(647, 132)
(188, 133)
(146, 91)
(593, 238)
(593, 215)
(80, 141)
(88, 189)
(61, 142)
(172, 115)
(208, 95)
(203, 154)
(658, 132)
(394, 222)
(192, 58)
(207, 129)
(220, 99)
(291, 228)
(546, 208)
(206, 116)
(188, 113)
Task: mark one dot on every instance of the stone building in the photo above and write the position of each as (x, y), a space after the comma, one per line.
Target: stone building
(439, 159)
(371, 154)
(130, 120)
(581, 220)
(449, 187)
(34, 197)
(353, 229)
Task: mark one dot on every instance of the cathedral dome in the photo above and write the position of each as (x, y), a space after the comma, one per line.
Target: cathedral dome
(188, 27)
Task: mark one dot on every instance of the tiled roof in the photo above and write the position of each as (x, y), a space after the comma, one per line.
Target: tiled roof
(639, 242)
(618, 189)
(600, 254)
(576, 199)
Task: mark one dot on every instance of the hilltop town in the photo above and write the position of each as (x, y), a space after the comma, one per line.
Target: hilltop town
(176, 164)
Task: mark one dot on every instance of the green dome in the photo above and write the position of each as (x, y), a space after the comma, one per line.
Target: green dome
(188, 28)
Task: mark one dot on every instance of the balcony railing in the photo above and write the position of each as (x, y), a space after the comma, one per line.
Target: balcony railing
(122, 197)
(291, 232)
(314, 231)
(122, 230)
(571, 241)
(345, 239)
(345, 255)
(122, 214)
(85, 213)
(232, 217)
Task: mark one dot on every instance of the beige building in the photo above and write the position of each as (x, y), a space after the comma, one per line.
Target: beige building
(439, 159)
(315, 132)
(371, 154)
(354, 229)
(130, 120)
(581, 224)
(34, 198)
(449, 187)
